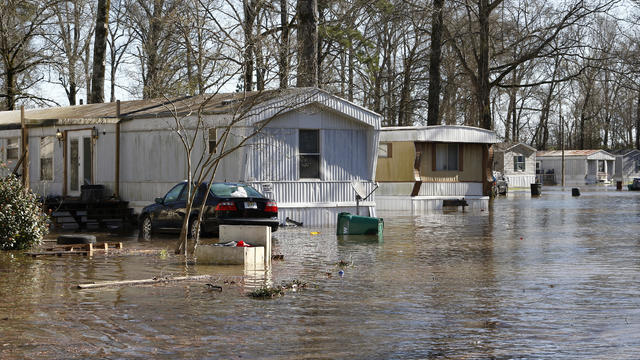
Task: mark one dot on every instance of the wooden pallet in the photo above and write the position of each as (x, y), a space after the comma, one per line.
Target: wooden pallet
(75, 249)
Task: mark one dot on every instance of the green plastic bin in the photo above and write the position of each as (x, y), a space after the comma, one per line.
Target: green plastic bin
(349, 224)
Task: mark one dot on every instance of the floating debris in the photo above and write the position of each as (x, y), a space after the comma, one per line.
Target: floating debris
(214, 287)
(343, 263)
(315, 233)
(269, 292)
(295, 284)
(266, 292)
(277, 257)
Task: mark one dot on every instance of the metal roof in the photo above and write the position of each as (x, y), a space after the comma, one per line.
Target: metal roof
(624, 152)
(257, 105)
(507, 146)
(587, 154)
(439, 133)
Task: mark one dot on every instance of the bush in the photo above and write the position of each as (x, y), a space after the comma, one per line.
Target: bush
(22, 222)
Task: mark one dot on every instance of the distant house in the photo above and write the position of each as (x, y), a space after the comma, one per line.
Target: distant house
(421, 167)
(581, 166)
(517, 162)
(627, 164)
(314, 146)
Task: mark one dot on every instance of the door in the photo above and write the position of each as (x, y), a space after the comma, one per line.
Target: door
(79, 161)
(166, 214)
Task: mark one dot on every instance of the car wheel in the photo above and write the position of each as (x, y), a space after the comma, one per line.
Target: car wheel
(146, 229)
(194, 229)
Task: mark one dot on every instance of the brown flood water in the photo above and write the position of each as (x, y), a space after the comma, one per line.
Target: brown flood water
(550, 277)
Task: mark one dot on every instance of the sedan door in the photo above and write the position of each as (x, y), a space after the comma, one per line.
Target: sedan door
(165, 216)
(177, 210)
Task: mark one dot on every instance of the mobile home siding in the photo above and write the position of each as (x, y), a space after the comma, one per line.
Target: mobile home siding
(471, 165)
(398, 167)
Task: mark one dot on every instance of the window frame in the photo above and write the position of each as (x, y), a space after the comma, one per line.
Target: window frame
(447, 152)
(52, 156)
(388, 150)
(517, 162)
(10, 147)
(310, 154)
(212, 149)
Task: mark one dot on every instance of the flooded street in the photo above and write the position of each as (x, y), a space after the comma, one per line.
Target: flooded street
(549, 277)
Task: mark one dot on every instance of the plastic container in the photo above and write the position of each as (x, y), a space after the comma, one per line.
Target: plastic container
(349, 224)
(92, 193)
(536, 189)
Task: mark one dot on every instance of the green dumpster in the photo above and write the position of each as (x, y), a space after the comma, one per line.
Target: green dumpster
(349, 224)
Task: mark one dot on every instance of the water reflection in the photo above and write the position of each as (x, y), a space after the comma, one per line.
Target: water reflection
(549, 277)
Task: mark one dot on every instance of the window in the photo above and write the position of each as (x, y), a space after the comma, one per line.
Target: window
(173, 194)
(46, 158)
(637, 165)
(13, 152)
(601, 166)
(309, 146)
(518, 163)
(226, 190)
(538, 169)
(385, 150)
(446, 157)
(212, 140)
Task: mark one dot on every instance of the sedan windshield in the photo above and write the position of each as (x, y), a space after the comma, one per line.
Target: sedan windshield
(229, 190)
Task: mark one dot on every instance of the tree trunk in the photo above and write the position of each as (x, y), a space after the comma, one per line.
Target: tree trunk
(112, 85)
(249, 18)
(322, 7)
(583, 118)
(607, 125)
(10, 88)
(433, 111)
(351, 74)
(307, 43)
(508, 127)
(483, 88)
(151, 88)
(99, 50)
(638, 123)
(283, 70)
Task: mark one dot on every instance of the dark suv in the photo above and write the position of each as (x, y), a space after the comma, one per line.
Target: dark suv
(227, 203)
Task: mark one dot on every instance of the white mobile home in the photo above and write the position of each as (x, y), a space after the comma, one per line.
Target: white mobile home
(517, 162)
(311, 147)
(627, 165)
(421, 167)
(581, 166)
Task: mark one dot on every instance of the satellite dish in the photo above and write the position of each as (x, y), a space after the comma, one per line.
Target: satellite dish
(359, 189)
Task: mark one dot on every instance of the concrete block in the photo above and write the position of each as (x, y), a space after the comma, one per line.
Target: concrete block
(252, 234)
(251, 257)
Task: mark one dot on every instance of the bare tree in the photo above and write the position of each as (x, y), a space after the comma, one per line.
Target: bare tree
(23, 49)
(157, 53)
(118, 40)
(475, 53)
(71, 41)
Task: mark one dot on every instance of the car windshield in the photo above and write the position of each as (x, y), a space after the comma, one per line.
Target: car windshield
(230, 190)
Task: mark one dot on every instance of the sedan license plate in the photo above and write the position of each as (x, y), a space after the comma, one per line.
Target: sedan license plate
(250, 205)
